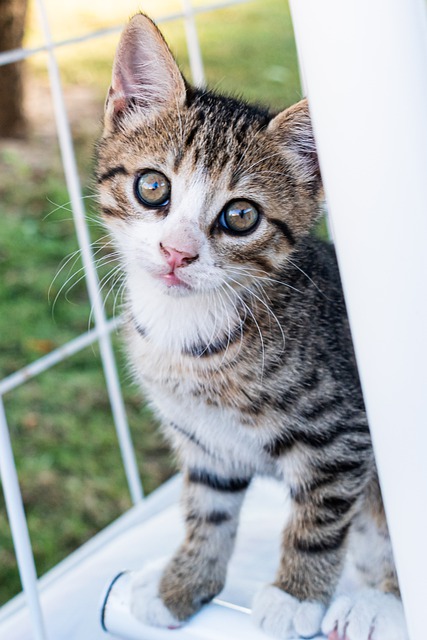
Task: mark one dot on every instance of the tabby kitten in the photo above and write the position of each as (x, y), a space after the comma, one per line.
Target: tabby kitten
(237, 330)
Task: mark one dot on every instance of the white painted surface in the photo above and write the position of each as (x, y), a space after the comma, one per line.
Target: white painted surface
(365, 65)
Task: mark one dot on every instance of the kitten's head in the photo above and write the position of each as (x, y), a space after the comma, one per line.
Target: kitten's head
(199, 189)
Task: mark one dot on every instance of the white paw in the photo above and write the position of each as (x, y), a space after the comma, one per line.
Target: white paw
(146, 604)
(283, 616)
(369, 615)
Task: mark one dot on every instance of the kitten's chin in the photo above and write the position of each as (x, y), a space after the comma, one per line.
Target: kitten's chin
(179, 290)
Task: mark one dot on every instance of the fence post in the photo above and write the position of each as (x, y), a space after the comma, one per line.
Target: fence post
(18, 525)
(193, 45)
(365, 64)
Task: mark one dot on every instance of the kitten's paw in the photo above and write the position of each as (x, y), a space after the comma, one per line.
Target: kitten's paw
(369, 615)
(146, 604)
(281, 615)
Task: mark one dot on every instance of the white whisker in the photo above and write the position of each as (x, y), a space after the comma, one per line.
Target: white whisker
(304, 274)
(248, 272)
(256, 324)
(267, 307)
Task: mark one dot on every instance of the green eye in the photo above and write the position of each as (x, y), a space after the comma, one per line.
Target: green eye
(152, 189)
(239, 217)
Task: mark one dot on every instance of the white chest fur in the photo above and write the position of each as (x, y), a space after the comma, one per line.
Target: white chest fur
(172, 386)
(186, 390)
(183, 391)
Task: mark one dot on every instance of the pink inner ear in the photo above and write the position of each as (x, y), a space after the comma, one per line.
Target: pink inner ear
(117, 96)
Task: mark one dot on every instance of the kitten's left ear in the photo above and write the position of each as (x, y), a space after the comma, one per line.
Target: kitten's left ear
(144, 73)
(292, 128)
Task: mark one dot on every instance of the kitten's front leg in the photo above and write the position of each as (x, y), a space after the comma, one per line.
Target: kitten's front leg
(197, 571)
(313, 550)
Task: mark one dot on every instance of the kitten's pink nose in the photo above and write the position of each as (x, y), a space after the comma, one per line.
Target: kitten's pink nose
(176, 258)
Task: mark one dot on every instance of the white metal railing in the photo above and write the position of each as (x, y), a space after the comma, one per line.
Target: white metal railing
(102, 326)
(18, 526)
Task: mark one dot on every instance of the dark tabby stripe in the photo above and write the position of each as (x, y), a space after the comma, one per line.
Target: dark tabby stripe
(330, 478)
(315, 439)
(228, 485)
(114, 213)
(217, 517)
(142, 332)
(284, 228)
(337, 467)
(189, 140)
(278, 447)
(320, 408)
(319, 439)
(338, 505)
(257, 406)
(288, 399)
(214, 517)
(327, 543)
(217, 346)
(325, 518)
(120, 169)
(310, 381)
(192, 439)
(178, 159)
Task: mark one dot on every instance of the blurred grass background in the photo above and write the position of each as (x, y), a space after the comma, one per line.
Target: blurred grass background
(62, 432)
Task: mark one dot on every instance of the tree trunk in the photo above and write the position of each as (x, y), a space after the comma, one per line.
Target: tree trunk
(13, 123)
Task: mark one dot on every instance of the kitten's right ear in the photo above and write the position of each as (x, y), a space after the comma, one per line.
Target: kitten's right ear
(144, 73)
(293, 129)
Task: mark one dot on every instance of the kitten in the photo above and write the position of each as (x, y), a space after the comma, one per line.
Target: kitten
(237, 331)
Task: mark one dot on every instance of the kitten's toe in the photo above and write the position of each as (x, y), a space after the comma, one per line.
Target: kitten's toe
(283, 616)
(370, 615)
(308, 618)
(390, 624)
(146, 604)
(335, 621)
(273, 610)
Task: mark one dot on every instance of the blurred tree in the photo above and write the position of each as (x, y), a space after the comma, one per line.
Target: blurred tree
(13, 123)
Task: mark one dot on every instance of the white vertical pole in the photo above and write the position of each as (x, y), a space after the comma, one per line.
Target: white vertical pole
(73, 185)
(193, 45)
(365, 65)
(18, 525)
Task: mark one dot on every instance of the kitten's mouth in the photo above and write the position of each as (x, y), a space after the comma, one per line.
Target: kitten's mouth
(172, 280)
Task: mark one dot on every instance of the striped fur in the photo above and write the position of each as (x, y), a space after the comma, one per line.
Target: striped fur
(248, 361)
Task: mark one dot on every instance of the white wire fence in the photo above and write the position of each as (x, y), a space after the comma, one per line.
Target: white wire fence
(101, 333)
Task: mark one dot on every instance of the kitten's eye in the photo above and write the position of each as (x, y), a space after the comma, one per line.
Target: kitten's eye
(153, 189)
(239, 217)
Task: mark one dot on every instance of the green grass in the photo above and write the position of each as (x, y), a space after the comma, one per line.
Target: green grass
(62, 432)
